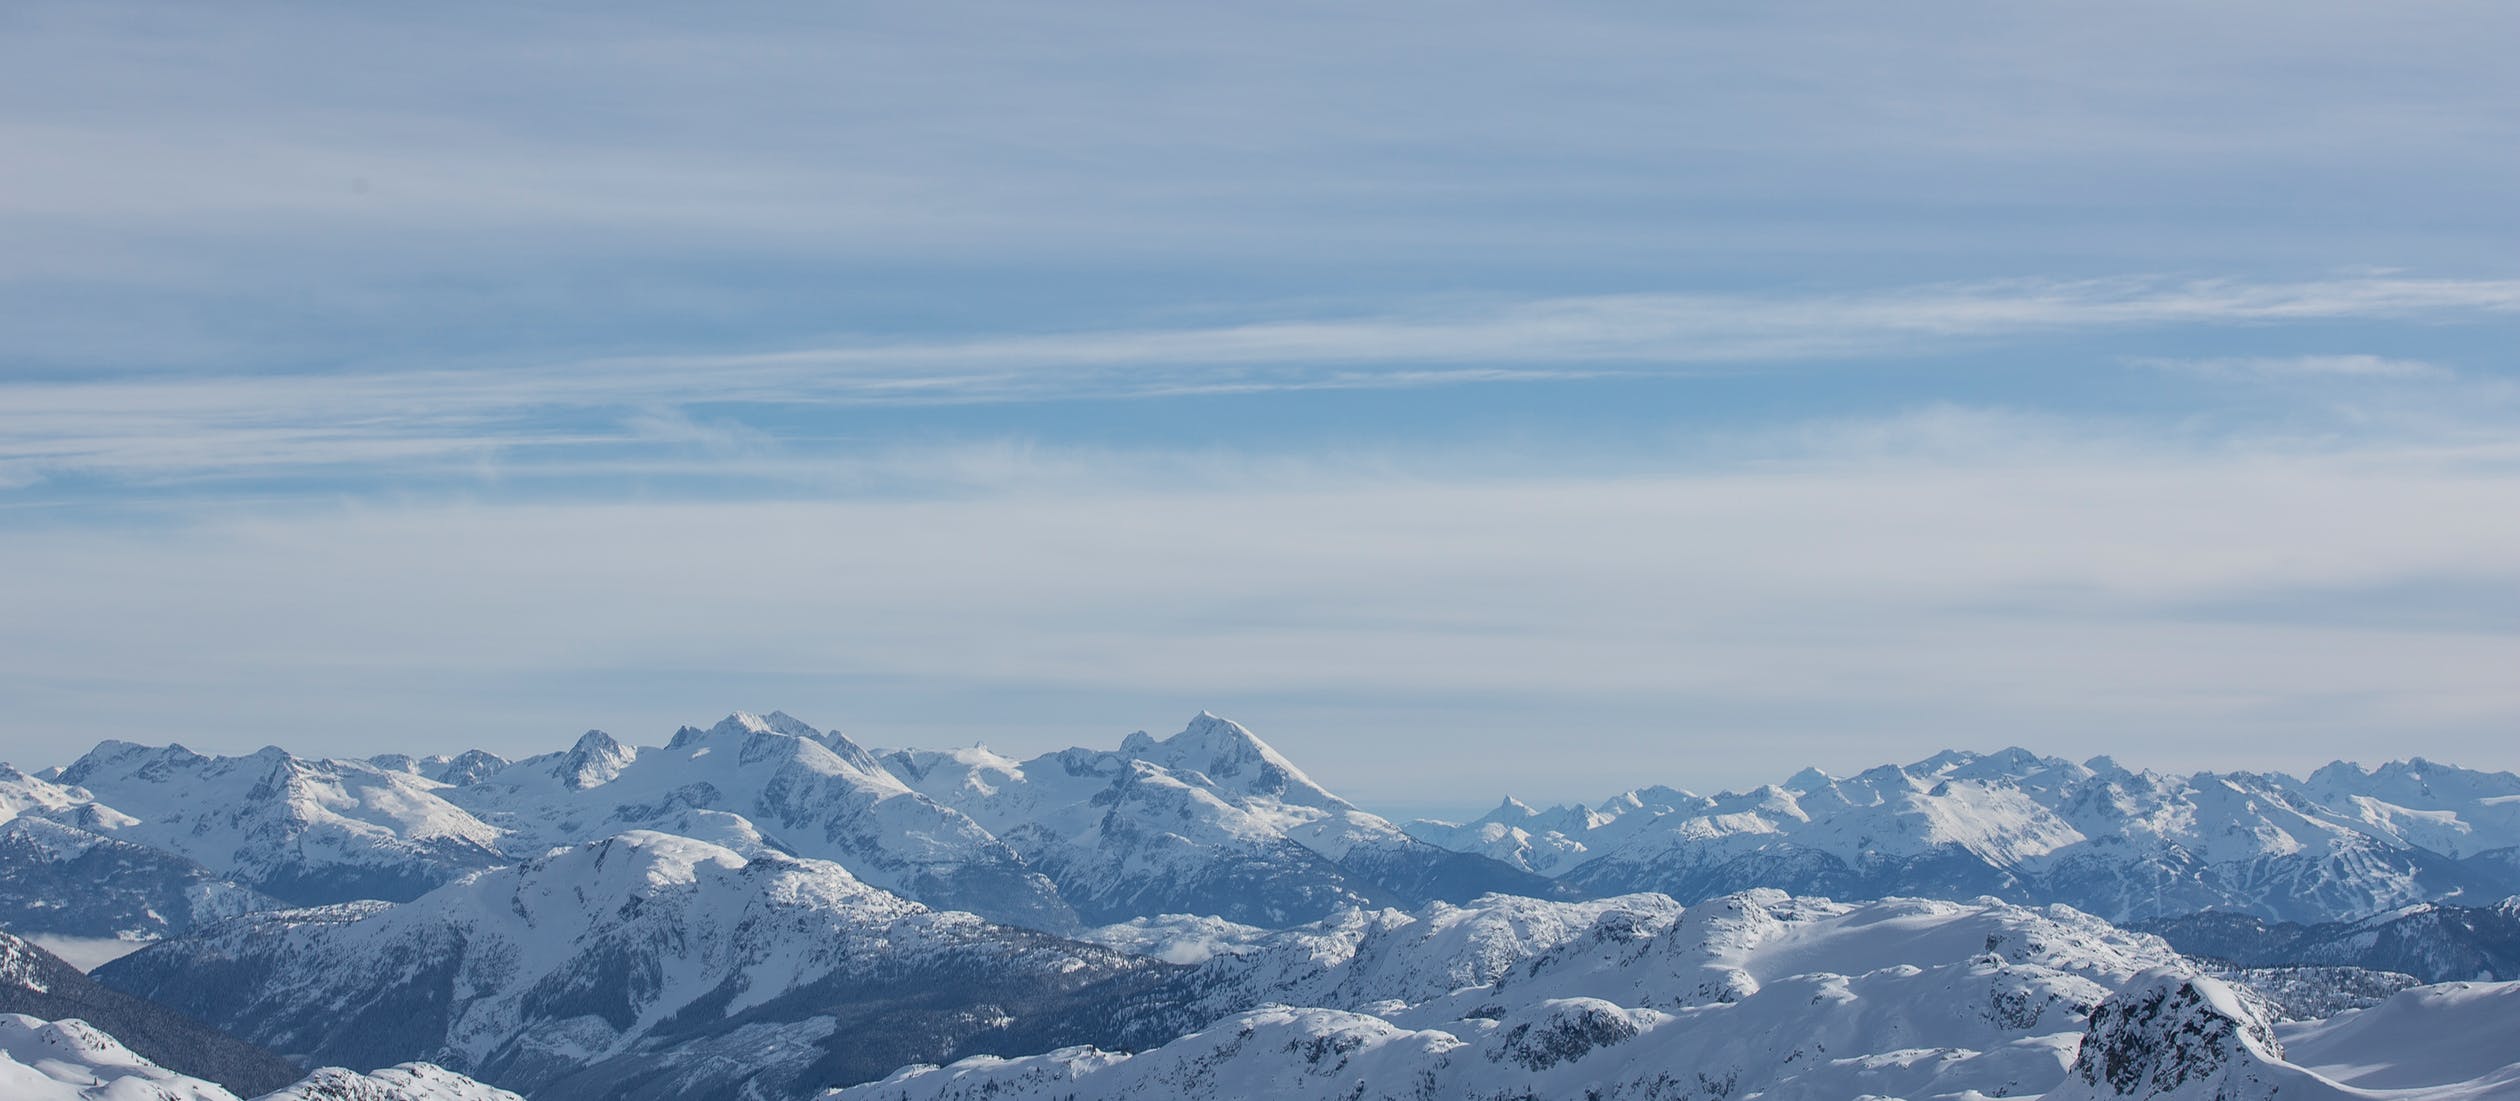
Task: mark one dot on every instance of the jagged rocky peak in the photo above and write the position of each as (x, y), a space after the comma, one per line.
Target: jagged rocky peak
(2171, 1033)
(782, 724)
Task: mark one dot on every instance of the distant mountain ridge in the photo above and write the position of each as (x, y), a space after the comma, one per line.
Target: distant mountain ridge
(2432, 942)
(2124, 844)
(1214, 821)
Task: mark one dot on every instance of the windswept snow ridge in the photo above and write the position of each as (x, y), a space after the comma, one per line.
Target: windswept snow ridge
(72, 1060)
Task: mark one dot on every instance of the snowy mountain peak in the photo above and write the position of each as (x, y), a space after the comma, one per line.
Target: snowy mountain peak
(596, 759)
(1810, 780)
(784, 725)
(1229, 754)
(114, 755)
(741, 722)
(467, 767)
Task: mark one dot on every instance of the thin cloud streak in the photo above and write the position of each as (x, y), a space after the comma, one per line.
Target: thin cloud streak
(200, 424)
(2296, 367)
(2002, 590)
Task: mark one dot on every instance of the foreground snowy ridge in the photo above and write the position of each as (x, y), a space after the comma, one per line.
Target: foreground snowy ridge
(71, 1060)
(1758, 995)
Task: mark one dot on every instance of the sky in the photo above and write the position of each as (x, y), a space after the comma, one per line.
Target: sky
(1471, 398)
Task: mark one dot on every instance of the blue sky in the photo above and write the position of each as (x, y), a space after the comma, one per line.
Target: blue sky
(1471, 398)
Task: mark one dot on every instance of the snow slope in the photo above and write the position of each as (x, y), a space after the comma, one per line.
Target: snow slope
(1755, 995)
(1766, 996)
(72, 1060)
(2463, 1033)
(34, 983)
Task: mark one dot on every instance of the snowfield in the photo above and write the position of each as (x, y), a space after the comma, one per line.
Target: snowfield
(75, 1061)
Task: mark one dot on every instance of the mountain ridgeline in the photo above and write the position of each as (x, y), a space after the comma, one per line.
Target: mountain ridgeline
(763, 909)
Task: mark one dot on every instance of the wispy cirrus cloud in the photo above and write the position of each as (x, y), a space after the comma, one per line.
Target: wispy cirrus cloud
(1965, 575)
(207, 423)
(2299, 367)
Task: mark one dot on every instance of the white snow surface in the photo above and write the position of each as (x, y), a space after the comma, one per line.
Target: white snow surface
(1754, 995)
(1758, 995)
(72, 1060)
(402, 1082)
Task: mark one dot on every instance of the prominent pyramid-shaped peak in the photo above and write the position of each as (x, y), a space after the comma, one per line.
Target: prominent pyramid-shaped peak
(1229, 754)
(595, 759)
(1809, 780)
(785, 723)
(1510, 809)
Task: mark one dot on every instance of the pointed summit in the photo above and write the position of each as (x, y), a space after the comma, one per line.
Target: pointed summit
(595, 759)
(785, 723)
(1228, 753)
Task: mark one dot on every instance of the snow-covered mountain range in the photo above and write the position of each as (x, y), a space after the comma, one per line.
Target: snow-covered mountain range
(2432, 941)
(763, 909)
(1209, 821)
(643, 965)
(2127, 845)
